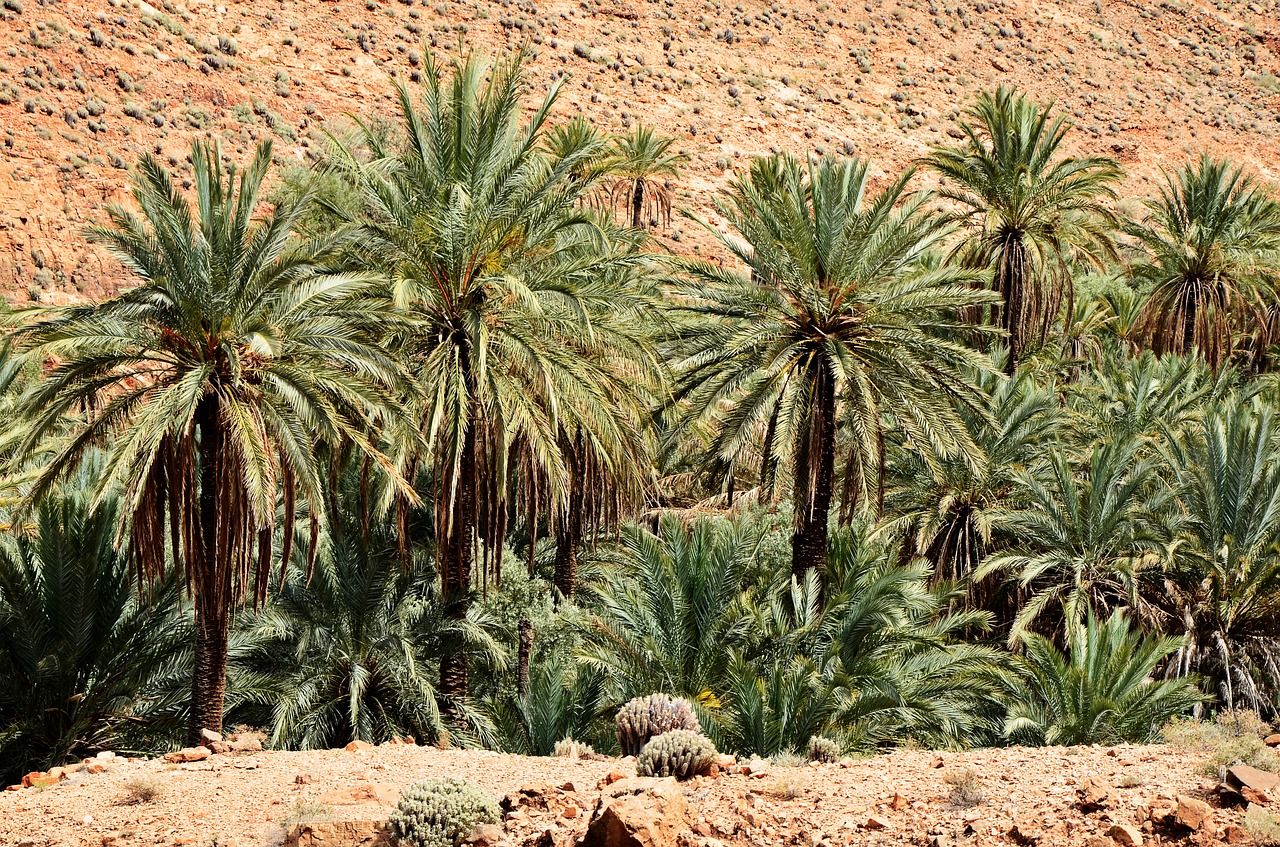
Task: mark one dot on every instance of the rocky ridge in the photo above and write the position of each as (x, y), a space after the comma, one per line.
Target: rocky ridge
(87, 86)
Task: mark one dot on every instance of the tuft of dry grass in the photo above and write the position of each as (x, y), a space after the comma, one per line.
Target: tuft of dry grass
(1262, 825)
(966, 788)
(143, 788)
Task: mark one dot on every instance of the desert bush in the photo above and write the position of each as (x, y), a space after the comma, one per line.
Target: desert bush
(1231, 738)
(440, 812)
(1262, 825)
(679, 753)
(143, 788)
(568, 748)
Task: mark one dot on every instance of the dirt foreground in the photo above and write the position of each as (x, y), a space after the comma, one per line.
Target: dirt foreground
(1084, 797)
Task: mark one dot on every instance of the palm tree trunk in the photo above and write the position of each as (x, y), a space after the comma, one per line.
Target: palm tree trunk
(637, 204)
(456, 561)
(815, 471)
(524, 656)
(212, 585)
(569, 528)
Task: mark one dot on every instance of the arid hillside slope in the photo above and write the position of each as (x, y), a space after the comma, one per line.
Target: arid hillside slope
(87, 85)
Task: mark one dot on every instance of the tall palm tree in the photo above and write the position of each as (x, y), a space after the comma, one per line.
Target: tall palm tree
(1213, 260)
(641, 167)
(480, 234)
(212, 385)
(837, 326)
(1030, 214)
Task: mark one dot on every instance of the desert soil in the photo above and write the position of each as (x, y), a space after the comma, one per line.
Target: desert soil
(1044, 797)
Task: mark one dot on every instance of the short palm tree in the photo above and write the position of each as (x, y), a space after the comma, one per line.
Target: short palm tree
(1223, 588)
(1102, 691)
(1084, 536)
(1030, 214)
(87, 664)
(1213, 260)
(481, 237)
(838, 326)
(352, 652)
(640, 167)
(211, 386)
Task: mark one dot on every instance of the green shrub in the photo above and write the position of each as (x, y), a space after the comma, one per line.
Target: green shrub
(440, 813)
(823, 749)
(648, 717)
(680, 753)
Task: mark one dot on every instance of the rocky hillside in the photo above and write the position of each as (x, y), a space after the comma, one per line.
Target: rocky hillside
(87, 85)
(1051, 797)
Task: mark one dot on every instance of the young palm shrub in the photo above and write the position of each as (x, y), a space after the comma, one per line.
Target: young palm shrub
(1223, 589)
(945, 509)
(1030, 214)
(212, 385)
(563, 702)
(481, 237)
(1102, 691)
(87, 665)
(1213, 260)
(1085, 538)
(666, 610)
(352, 650)
(840, 325)
(640, 167)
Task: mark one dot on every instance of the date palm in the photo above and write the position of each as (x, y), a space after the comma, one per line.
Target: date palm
(1213, 260)
(211, 386)
(1223, 589)
(641, 165)
(1029, 213)
(837, 326)
(481, 236)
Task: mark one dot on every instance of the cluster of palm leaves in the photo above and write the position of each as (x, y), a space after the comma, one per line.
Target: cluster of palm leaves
(975, 463)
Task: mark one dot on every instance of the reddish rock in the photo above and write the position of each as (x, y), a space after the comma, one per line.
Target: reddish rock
(1244, 776)
(877, 822)
(1192, 813)
(640, 812)
(1126, 835)
(188, 754)
(361, 833)
(1273, 740)
(38, 779)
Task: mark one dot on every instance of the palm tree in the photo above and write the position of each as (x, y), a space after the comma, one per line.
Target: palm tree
(1213, 260)
(87, 665)
(640, 169)
(480, 235)
(1102, 692)
(665, 614)
(1030, 215)
(1223, 589)
(945, 512)
(1084, 537)
(350, 653)
(838, 326)
(211, 386)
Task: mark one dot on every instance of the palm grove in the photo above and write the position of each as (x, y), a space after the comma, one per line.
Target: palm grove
(440, 444)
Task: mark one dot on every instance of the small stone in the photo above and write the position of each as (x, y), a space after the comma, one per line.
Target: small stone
(357, 746)
(614, 776)
(936, 762)
(302, 779)
(1126, 835)
(1272, 740)
(898, 803)
(486, 835)
(38, 779)
(571, 811)
(877, 822)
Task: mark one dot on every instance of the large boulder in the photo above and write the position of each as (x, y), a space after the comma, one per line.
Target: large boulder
(638, 812)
